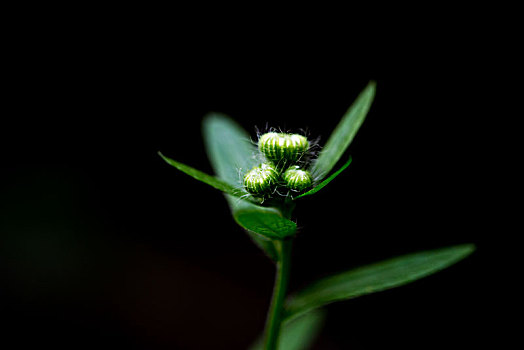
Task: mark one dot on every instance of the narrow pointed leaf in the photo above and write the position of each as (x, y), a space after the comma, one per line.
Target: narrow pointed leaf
(298, 334)
(344, 133)
(374, 278)
(326, 181)
(208, 179)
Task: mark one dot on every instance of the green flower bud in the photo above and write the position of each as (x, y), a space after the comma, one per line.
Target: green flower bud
(297, 179)
(261, 179)
(283, 148)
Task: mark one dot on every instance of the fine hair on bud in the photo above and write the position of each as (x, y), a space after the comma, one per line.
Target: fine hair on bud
(283, 149)
(261, 180)
(297, 179)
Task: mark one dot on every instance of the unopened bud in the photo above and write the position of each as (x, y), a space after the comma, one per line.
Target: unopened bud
(261, 179)
(297, 179)
(281, 148)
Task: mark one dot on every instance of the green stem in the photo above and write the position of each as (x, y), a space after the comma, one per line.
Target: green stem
(274, 319)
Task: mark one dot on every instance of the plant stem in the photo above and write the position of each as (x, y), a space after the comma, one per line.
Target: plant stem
(274, 319)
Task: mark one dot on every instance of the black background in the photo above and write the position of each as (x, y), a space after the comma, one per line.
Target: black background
(104, 243)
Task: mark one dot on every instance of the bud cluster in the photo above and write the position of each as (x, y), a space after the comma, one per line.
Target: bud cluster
(283, 153)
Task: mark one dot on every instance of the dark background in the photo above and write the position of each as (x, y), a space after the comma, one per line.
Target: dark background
(101, 242)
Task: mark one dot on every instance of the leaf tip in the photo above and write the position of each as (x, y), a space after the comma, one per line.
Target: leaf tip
(212, 116)
(371, 88)
(468, 248)
(163, 157)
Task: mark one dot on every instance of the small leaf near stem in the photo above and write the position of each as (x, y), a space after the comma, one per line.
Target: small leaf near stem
(267, 222)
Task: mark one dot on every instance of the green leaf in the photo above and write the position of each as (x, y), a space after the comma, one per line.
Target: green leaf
(344, 133)
(326, 181)
(374, 278)
(232, 152)
(297, 334)
(267, 222)
(208, 179)
(229, 148)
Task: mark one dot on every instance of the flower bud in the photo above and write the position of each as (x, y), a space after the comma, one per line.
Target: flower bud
(261, 179)
(297, 179)
(283, 148)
